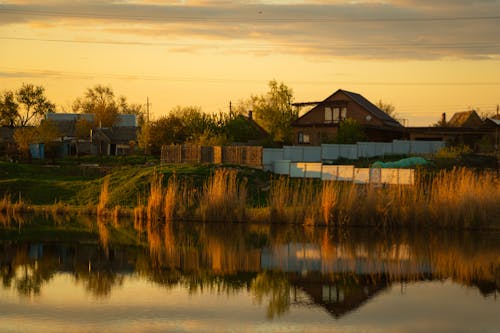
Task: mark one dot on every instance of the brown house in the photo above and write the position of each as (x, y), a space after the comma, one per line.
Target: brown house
(321, 123)
(463, 128)
(469, 119)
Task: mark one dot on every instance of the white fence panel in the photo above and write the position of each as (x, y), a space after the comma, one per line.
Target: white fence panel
(361, 175)
(297, 170)
(330, 152)
(421, 147)
(269, 155)
(313, 170)
(366, 149)
(311, 154)
(383, 148)
(436, 146)
(281, 167)
(345, 172)
(400, 147)
(329, 172)
(348, 151)
(375, 176)
(406, 176)
(389, 176)
(293, 153)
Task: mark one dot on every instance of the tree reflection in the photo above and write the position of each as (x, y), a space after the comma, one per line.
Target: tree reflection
(276, 287)
(336, 269)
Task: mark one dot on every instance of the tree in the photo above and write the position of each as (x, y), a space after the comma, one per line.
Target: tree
(101, 102)
(33, 103)
(126, 108)
(144, 138)
(388, 108)
(349, 132)
(9, 112)
(48, 134)
(274, 111)
(24, 136)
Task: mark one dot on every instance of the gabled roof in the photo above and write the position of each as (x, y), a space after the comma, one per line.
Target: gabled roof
(365, 104)
(372, 108)
(459, 119)
(115, 135)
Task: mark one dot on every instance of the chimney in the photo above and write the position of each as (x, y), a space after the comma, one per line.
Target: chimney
(443, 119)
(250, 115)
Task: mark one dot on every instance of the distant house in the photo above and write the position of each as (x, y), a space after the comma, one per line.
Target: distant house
(113, 141)
(245, 131)
(469, 119)
(463, 128)
(116, 140)
(320, 124)
(7, 143)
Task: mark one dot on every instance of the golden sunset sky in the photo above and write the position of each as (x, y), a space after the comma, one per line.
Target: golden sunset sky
(425, 57)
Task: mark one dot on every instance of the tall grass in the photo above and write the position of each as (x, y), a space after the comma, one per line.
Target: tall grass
(103, 198)
(223, 197)
(462, 197)
(155, 200)
(172, 198)
(456, 198)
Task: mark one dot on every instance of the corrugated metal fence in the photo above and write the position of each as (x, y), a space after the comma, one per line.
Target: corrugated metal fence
(346, 173)
(242, 155)
(332, 152)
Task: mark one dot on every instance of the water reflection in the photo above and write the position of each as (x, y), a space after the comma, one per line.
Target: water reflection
(280, 266)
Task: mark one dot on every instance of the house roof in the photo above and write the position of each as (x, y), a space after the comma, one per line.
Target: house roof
(491, 122)
(372, 108)
(364, 103)
(65, 127)
(459, 119)
(116, 134)
(6, 134)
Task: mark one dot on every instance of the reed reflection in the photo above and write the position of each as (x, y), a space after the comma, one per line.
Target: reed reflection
(280, 266)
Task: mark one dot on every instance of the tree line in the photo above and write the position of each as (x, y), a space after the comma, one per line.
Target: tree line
(26, 107)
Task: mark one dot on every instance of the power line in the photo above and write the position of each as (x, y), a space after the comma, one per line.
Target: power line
(256, 18)
(334, 44)
(59, 74)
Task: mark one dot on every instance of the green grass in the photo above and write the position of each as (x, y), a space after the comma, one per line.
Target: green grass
(76, 185)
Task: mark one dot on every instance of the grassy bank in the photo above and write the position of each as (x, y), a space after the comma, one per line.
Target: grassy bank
(457, 198)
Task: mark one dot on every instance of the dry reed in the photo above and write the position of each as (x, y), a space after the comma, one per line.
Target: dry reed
(155, 200)
(171, 201)
(223, 197)
(103, 198)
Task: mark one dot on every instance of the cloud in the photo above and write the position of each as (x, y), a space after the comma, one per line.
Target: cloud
(406, 29)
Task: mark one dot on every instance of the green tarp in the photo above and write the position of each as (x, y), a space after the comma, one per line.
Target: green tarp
(404, 163)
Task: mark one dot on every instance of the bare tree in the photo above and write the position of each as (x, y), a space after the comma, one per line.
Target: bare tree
(9, 112)
(33, 103)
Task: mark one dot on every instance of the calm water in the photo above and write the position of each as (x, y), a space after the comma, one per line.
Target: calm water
(79, 276)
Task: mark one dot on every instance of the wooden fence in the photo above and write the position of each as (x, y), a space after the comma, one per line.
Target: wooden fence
(241, 155)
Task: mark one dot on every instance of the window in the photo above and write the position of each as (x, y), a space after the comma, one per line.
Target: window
(335, 114)
(328, 115)
(343, 113)
(304, 138)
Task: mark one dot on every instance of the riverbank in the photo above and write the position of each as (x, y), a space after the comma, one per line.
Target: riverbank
(457, 198)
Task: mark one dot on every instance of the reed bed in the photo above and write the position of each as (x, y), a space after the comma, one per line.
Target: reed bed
(223, 197)
(103, 198)
(458, 198)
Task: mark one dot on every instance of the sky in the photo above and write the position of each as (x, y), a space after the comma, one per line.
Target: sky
(425, 57)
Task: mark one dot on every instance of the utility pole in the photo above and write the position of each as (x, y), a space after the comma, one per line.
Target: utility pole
(147, 109)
